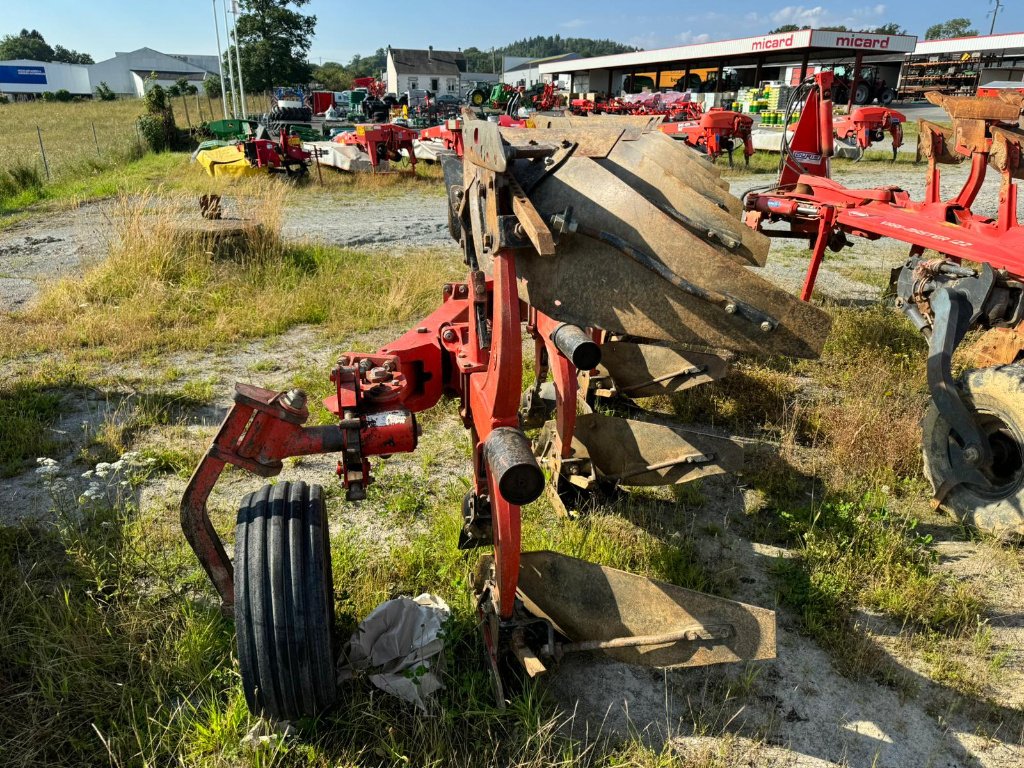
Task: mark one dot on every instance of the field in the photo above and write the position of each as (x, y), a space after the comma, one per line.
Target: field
(900, 637)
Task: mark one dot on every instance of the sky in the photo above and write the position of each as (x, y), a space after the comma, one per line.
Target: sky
(101, 27)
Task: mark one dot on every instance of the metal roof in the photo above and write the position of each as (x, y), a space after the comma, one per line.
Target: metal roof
(971, 44)
(809, 40)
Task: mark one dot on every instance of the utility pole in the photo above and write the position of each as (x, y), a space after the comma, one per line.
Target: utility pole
(238, 61)
(220, 62)
(231, 75)
(994, 12)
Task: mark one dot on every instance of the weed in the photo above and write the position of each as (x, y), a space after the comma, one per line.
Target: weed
(27, 414)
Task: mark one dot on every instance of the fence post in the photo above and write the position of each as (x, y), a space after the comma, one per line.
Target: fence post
(96, 139)
(138, 133)
(42, 149)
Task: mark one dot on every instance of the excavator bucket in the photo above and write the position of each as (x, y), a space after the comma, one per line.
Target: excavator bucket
(642, 250)
(639, 620)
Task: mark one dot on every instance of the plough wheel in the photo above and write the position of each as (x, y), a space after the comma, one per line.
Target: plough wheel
(996, 395)
(284, 602)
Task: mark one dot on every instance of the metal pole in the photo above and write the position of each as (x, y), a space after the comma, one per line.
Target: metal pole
(95, 138)
(46, 166)
(220, 62)
(231, 74)
(238, 60)
(995, 12)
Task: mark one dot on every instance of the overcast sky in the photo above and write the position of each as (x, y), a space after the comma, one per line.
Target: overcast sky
(101, 27)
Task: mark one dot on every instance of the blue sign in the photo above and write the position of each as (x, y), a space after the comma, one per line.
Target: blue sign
(23, 75)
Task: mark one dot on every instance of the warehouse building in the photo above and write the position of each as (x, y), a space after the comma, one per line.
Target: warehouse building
(24, 79)
(125, 74)
(960, 65)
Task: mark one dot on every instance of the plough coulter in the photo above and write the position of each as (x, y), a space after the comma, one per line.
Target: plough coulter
(963, 271)
(621, 253)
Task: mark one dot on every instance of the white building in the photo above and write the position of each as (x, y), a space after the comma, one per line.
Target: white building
(527, 71)
(125, 74)
(434, 71)
(25, 78)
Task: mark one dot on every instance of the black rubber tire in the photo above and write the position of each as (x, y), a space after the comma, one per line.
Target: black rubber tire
(997, 396)
(861, 94)
(886, 96)
(284, 602)
(303, 114)
(477, 98)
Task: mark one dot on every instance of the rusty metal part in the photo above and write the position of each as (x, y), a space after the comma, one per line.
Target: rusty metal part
(936, 142)
(637, 453)
(593, 284)
(1005, 154)
(997, 346)
(974, 107)
(625, 615)
(643, 370)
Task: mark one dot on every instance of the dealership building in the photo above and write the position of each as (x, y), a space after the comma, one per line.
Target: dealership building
(902, 61)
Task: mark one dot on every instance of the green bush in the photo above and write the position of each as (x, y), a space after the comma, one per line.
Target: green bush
(63, 95)
(48, 96)
(4, 99)
(103, 92)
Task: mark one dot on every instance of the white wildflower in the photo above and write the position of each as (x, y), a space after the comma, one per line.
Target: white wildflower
(43, 461)
(87, 474)
(103, 469)
(48, 471)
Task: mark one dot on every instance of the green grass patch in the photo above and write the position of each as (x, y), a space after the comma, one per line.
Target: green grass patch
(27, 415)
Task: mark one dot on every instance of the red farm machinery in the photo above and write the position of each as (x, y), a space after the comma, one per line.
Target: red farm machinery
(964, 271)
(622, 255)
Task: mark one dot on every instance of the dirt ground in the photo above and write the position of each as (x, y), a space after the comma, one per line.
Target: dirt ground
(798, 710)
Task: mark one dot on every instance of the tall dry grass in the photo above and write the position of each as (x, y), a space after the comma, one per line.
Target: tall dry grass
(163, 287)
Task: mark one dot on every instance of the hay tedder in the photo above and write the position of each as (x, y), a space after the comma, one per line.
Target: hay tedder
(973, 278)
(622, 254)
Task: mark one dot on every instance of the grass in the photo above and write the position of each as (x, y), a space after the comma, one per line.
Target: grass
(161, 289)
(27, 415)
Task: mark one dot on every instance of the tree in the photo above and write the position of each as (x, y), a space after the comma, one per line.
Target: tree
(959, 27)
(785, 28)
(212, 87)
(25, 45)
(333, 76)
(892, 28)
(274, 41)
(68, 56)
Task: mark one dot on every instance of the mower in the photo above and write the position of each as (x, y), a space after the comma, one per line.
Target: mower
(963, 271)
(286, 155)
(621, 255)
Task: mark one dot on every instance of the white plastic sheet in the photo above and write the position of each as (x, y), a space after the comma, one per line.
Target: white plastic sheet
(399, 645)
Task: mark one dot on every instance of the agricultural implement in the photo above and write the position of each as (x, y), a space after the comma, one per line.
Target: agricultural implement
(621, 253)
(381, 142)
(286, 155)
(973, 433)
(716, 132)
(865, 126)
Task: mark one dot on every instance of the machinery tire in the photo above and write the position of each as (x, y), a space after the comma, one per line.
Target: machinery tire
(303, 114)
(996, 395)
(276, 115)
(454, 223)
(476, 98)
(284, 602)
(840, 94)
(886, 96)
(861, 94)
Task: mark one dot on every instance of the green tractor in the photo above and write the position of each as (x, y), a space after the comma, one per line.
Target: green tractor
(479, 93)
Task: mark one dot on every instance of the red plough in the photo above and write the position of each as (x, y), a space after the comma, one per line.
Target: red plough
(974, 432)
(383, 141)
(717, 132)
